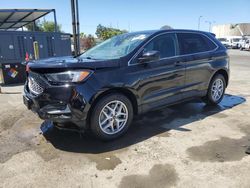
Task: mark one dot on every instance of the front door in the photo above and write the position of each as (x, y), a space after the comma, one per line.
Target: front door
(161, 80)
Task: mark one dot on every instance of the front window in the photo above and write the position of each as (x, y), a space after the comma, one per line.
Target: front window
(165, 44)
(116, 47)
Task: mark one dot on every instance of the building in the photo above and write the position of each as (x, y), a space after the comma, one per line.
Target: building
(226, 30)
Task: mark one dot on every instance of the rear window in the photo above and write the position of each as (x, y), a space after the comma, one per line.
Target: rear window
(194, 43)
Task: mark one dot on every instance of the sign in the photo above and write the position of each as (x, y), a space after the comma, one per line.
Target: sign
(12, 73)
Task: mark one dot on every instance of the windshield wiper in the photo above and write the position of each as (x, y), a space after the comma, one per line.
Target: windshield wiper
(89, 57)
(78, 55)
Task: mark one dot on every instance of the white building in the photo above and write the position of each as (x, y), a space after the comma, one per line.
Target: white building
(227, 30)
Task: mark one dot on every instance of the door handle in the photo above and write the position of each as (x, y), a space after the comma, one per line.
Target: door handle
(211, 58)
(178, 63)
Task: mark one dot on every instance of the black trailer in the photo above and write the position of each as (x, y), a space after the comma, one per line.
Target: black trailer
(16, 46)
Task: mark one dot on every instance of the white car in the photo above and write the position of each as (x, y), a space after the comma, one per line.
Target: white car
(235, 43)
(245, 45)
(226, 42)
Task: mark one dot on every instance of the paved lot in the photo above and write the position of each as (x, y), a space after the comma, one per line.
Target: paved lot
(187, 145)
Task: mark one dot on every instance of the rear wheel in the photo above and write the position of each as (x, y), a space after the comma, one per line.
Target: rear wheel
(216, 90)
(111, 116)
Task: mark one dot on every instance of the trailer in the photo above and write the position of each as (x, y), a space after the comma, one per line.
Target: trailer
(18, 46)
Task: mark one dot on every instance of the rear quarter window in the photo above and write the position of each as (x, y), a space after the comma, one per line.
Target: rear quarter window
(194, 43)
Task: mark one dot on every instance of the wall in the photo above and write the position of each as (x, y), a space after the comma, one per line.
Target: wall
(227, 30)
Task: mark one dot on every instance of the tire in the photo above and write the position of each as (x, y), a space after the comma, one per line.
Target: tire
(210, 98)
(102, 114)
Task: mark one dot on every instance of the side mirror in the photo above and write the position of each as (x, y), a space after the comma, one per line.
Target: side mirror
(149, 56)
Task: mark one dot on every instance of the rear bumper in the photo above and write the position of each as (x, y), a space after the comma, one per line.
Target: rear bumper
(60, 104)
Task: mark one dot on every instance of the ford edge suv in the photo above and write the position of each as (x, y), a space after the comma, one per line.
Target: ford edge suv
(105, 87)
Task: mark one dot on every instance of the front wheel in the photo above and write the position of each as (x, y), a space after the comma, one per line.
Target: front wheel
(111, 116)
(216, 90)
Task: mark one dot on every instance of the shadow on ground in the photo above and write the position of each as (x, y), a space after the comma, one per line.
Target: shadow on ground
(156, 123)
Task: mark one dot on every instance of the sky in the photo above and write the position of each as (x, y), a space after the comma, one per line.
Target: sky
(136, 15)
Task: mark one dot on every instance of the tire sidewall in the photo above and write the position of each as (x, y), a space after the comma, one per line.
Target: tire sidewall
(94, 120)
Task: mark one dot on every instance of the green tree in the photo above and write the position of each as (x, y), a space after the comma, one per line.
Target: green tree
(49, 26)
(37, 25)
(45, 26)
(104, 33)
(82, 35)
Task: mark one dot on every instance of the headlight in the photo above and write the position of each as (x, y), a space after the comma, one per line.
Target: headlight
(69, 76)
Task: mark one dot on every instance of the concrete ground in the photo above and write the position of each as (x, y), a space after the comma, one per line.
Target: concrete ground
(186, 145)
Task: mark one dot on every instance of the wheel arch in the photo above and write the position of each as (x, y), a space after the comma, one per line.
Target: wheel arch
(224, 73)
(124, 91)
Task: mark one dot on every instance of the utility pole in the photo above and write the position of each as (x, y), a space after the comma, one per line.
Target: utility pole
(210, 24)
(75, 26)
(199, 22)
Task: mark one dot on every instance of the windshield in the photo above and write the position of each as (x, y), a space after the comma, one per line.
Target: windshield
(116, 47)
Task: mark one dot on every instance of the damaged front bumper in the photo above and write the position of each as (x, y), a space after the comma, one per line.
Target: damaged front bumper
(65, 106)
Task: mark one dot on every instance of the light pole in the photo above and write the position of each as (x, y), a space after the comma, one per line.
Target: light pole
(210, 24)
(75, 25)
(199, 22)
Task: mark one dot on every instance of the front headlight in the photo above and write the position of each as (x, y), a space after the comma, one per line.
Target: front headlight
(69, 76)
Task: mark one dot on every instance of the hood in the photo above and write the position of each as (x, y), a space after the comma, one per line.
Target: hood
(70, 62)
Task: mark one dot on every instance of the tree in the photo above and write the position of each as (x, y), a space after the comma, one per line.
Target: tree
(104, 33)
(45, 26)
(86, 41)
(82, 35)
(49, 26)
(37, 25)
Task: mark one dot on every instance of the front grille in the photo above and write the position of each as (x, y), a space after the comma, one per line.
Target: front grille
(34, 86)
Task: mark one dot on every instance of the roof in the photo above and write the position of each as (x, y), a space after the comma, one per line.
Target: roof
(12, 19)
(159, 31)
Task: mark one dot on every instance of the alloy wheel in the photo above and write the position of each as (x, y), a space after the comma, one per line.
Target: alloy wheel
(217, 89)
(113, 117)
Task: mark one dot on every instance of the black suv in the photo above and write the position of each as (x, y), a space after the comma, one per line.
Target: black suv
(102, 89)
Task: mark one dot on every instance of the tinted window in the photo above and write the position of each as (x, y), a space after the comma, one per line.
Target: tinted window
(194, 43)
(165, 44)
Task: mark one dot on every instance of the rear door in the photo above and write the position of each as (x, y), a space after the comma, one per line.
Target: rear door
(196, 50)
(161, 80)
